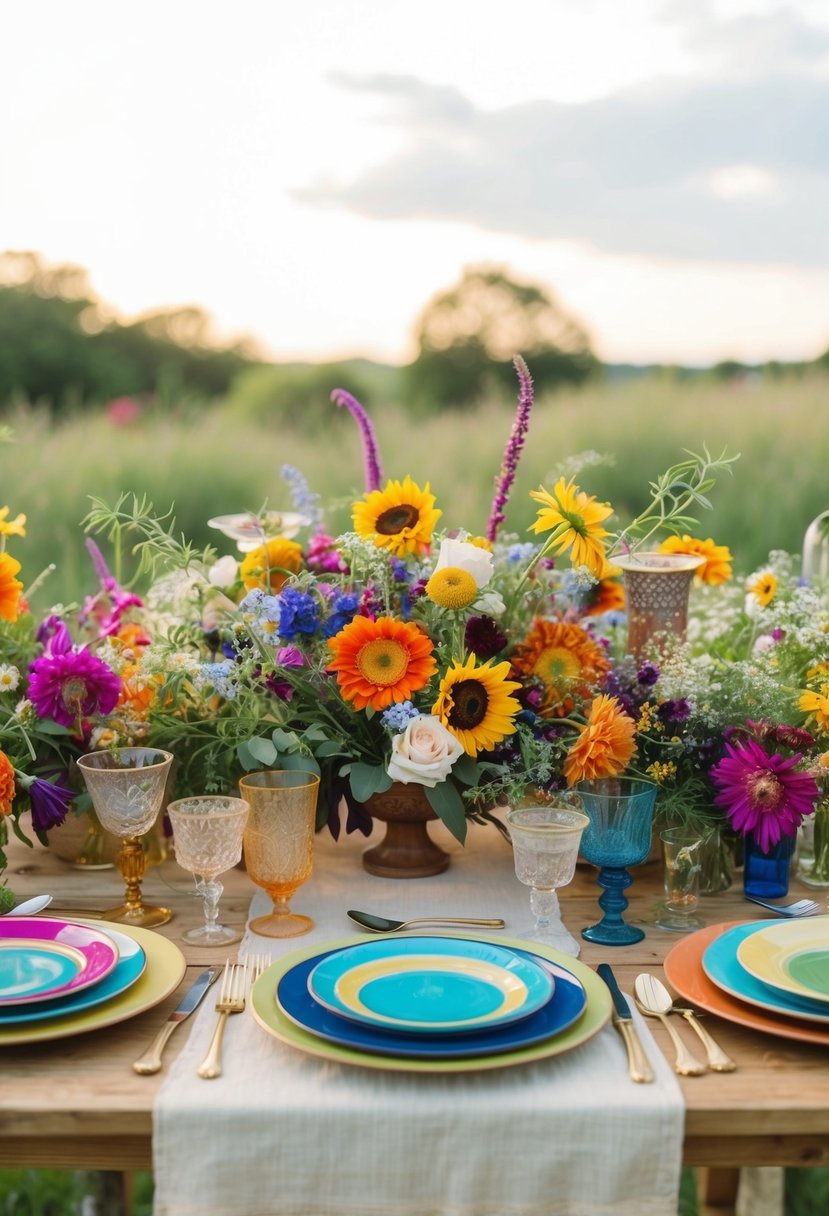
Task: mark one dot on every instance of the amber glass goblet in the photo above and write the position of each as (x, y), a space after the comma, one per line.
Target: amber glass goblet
(279, 843)
(127, 790)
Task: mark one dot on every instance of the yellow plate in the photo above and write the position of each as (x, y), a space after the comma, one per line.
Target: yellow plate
(163, 974)
(791, 956)
(271, 1018)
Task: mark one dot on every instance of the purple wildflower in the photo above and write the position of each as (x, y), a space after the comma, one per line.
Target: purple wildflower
(763, 794)
(674, 711)
(512, 452)
(647, 674)
(107, 607)
(372, 469)
(483, 637)
(72, 685)
(54, 636)
(322, 556)
(50, 803)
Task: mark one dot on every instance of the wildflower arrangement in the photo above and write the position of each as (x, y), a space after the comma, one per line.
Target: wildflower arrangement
(472, 665)
(733, 725)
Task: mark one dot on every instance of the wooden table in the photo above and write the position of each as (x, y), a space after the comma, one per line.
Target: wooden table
(78, 1104)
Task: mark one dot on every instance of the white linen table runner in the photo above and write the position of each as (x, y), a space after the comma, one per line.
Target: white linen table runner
(284, 1133)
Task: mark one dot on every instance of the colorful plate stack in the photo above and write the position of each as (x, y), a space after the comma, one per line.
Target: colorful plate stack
(62, 977)
(430, 1003)
(770, 975)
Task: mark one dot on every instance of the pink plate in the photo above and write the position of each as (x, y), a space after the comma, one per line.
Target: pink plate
(44, 957)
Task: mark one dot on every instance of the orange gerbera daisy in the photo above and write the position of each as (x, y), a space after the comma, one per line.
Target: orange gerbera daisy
(605, 744)
(715, 569)
(10, 587)
(608, 595)
(399, 518)
(137, 692)
(567, 661)
(7, 789)
(381, 662)
(271, 564)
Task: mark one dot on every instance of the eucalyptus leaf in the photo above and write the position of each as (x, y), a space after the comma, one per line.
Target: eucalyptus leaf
(368, 779)
(299, 763)
(263, 751)
(284, 741)
(447, 804)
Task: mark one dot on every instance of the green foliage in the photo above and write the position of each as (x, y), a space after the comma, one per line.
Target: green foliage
(59, 346)
(467, 337)
(296, 395)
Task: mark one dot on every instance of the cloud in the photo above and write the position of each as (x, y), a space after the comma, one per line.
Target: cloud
(729, 166)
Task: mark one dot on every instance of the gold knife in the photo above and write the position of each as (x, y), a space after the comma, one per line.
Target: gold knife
(150, 1062)
(639, 1066)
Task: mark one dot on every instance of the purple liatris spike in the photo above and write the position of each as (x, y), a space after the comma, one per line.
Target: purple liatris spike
(101, 568)
(512, 452)
(371, 454)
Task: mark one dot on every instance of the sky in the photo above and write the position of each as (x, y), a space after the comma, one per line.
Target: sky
(313, 173)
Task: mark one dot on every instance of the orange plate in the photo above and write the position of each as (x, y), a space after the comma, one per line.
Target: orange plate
(683, 970)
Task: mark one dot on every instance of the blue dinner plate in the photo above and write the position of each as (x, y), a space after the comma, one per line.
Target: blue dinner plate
(430, 985)
(131, 963)
(564, 1008)
(723, 968)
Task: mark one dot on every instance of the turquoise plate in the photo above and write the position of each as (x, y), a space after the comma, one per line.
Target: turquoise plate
(430, 985)
(722, 966)
(130, 966)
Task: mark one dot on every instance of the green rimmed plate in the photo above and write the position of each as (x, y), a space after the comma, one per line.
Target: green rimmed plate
(791, 956)
(271, 1018)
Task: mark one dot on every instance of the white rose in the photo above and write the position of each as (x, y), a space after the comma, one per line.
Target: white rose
(463, 556)
(491, 603)
(424, 753)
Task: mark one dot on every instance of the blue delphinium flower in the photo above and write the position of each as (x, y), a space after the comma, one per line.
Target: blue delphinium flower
(521, 552)
(305, 500)
(343, 609)
(397, 717)
(221, 676)
(298, 613)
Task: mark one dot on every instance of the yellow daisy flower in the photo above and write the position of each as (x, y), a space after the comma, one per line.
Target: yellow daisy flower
(452, 588)
(816, 704)
(400, 518)
(11, 527)
(476, 705)
(716, 568)
(575, 519)
(762, 587)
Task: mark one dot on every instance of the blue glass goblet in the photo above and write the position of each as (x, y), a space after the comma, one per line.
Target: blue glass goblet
(620, 810)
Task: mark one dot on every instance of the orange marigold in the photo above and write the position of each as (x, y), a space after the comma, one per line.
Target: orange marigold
(10, 587)
(270, 564)
(715, 569)
(565, 659)
(7, 788)
(605, 744)
(381, 662)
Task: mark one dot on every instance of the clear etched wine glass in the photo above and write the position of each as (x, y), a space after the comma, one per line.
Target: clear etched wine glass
(127, 786)
(207, 832)
(279, 843)
(545, 844)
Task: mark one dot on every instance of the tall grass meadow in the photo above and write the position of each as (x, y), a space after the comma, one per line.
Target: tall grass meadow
(203, 461)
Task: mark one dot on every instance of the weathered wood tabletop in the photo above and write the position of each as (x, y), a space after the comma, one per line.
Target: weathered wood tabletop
(76, 1103)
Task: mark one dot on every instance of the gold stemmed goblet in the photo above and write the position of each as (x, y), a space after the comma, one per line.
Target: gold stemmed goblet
(127, 789)
(279, 843)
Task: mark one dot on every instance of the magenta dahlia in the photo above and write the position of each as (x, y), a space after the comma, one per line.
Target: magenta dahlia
(72, 685)
(761, 794)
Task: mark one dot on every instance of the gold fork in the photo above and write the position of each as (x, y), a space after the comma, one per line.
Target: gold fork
(259, 963)
(231, 1000)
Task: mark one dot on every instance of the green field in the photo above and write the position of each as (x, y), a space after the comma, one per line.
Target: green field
(209, 460)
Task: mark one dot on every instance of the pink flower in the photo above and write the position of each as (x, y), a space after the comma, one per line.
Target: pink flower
(763, 795)
(72, 685)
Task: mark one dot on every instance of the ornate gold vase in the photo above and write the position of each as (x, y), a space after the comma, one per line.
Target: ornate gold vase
(656, 593)
(407, 850)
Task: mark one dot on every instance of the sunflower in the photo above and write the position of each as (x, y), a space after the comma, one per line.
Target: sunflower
(715, 569)
(381, 662)
(270, 565)
(605, 744)
(576, 521)
(762, 587)
(10, 587)
(452, 587)
(399, 518)
(565, 659)
(476, 705)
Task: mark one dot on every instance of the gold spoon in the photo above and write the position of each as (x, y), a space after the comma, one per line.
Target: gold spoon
(655, 1001)
(381, 924)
